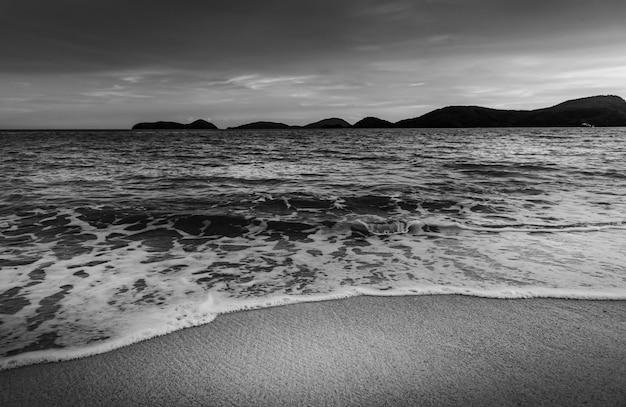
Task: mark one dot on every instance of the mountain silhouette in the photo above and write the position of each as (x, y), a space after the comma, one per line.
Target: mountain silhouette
(162, 125)
(332, 123)
(262, 126)
(201, 124)
(601, 111)
(591, 111)
(372, 123)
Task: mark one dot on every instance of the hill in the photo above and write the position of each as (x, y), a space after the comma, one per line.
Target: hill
(598, 111)
(332, 123)
(372, 123)
(262, 126)
(201, 124)
(162, 125)
(595, 110)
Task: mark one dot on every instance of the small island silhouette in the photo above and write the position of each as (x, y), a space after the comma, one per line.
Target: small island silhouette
(197, 125)
(593, 111)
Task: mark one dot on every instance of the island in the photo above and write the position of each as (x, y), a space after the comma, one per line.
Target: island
(262, 126)
(332, 123)
(163, 125)
(593, 111)
(590, 111)
(373, 123)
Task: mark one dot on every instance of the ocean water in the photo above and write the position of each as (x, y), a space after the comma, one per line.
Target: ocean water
(111, 237)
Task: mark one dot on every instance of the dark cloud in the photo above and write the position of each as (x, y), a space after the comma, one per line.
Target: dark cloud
(78, 35)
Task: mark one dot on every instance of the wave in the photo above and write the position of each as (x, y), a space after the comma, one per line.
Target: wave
(89, 280)
(295, 218)
(417, 227)
(196, 314)
(534, 228)
(502, 169)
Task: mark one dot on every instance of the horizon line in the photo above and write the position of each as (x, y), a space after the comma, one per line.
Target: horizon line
(298, 126)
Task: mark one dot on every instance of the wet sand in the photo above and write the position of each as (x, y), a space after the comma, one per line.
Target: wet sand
(364, 351)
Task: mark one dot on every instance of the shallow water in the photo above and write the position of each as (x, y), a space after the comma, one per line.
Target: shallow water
(107, 238)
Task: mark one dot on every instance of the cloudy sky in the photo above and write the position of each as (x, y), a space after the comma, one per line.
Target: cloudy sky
(112, 63)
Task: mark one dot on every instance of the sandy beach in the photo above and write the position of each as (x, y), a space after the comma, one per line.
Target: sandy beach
(364, 351)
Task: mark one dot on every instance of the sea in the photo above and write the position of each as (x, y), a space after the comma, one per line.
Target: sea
(112, 237)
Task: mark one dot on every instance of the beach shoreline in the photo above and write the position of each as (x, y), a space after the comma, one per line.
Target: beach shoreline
(366, 350)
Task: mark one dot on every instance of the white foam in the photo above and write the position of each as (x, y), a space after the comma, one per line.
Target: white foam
(183, 288)
(544, 228)
(191, 315)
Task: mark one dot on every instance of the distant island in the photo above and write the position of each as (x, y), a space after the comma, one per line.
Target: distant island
(373, 123)
(197, 125)
(593, 111)
(590, 111)
(332, 123)
(262, 126)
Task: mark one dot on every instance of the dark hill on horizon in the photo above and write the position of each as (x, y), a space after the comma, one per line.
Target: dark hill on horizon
(600, 111)
(332, 123)
(262, 126)
(162, 125)
(595, 110)
(373, 123)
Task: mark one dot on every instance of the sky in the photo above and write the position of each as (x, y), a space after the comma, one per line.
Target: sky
(110, 64)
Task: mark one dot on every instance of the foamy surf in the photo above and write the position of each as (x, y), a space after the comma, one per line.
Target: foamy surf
(383, 227)
(195, 314)
(152, 274)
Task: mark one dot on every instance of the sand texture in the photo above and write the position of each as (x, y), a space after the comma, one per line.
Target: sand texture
(364, 351)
